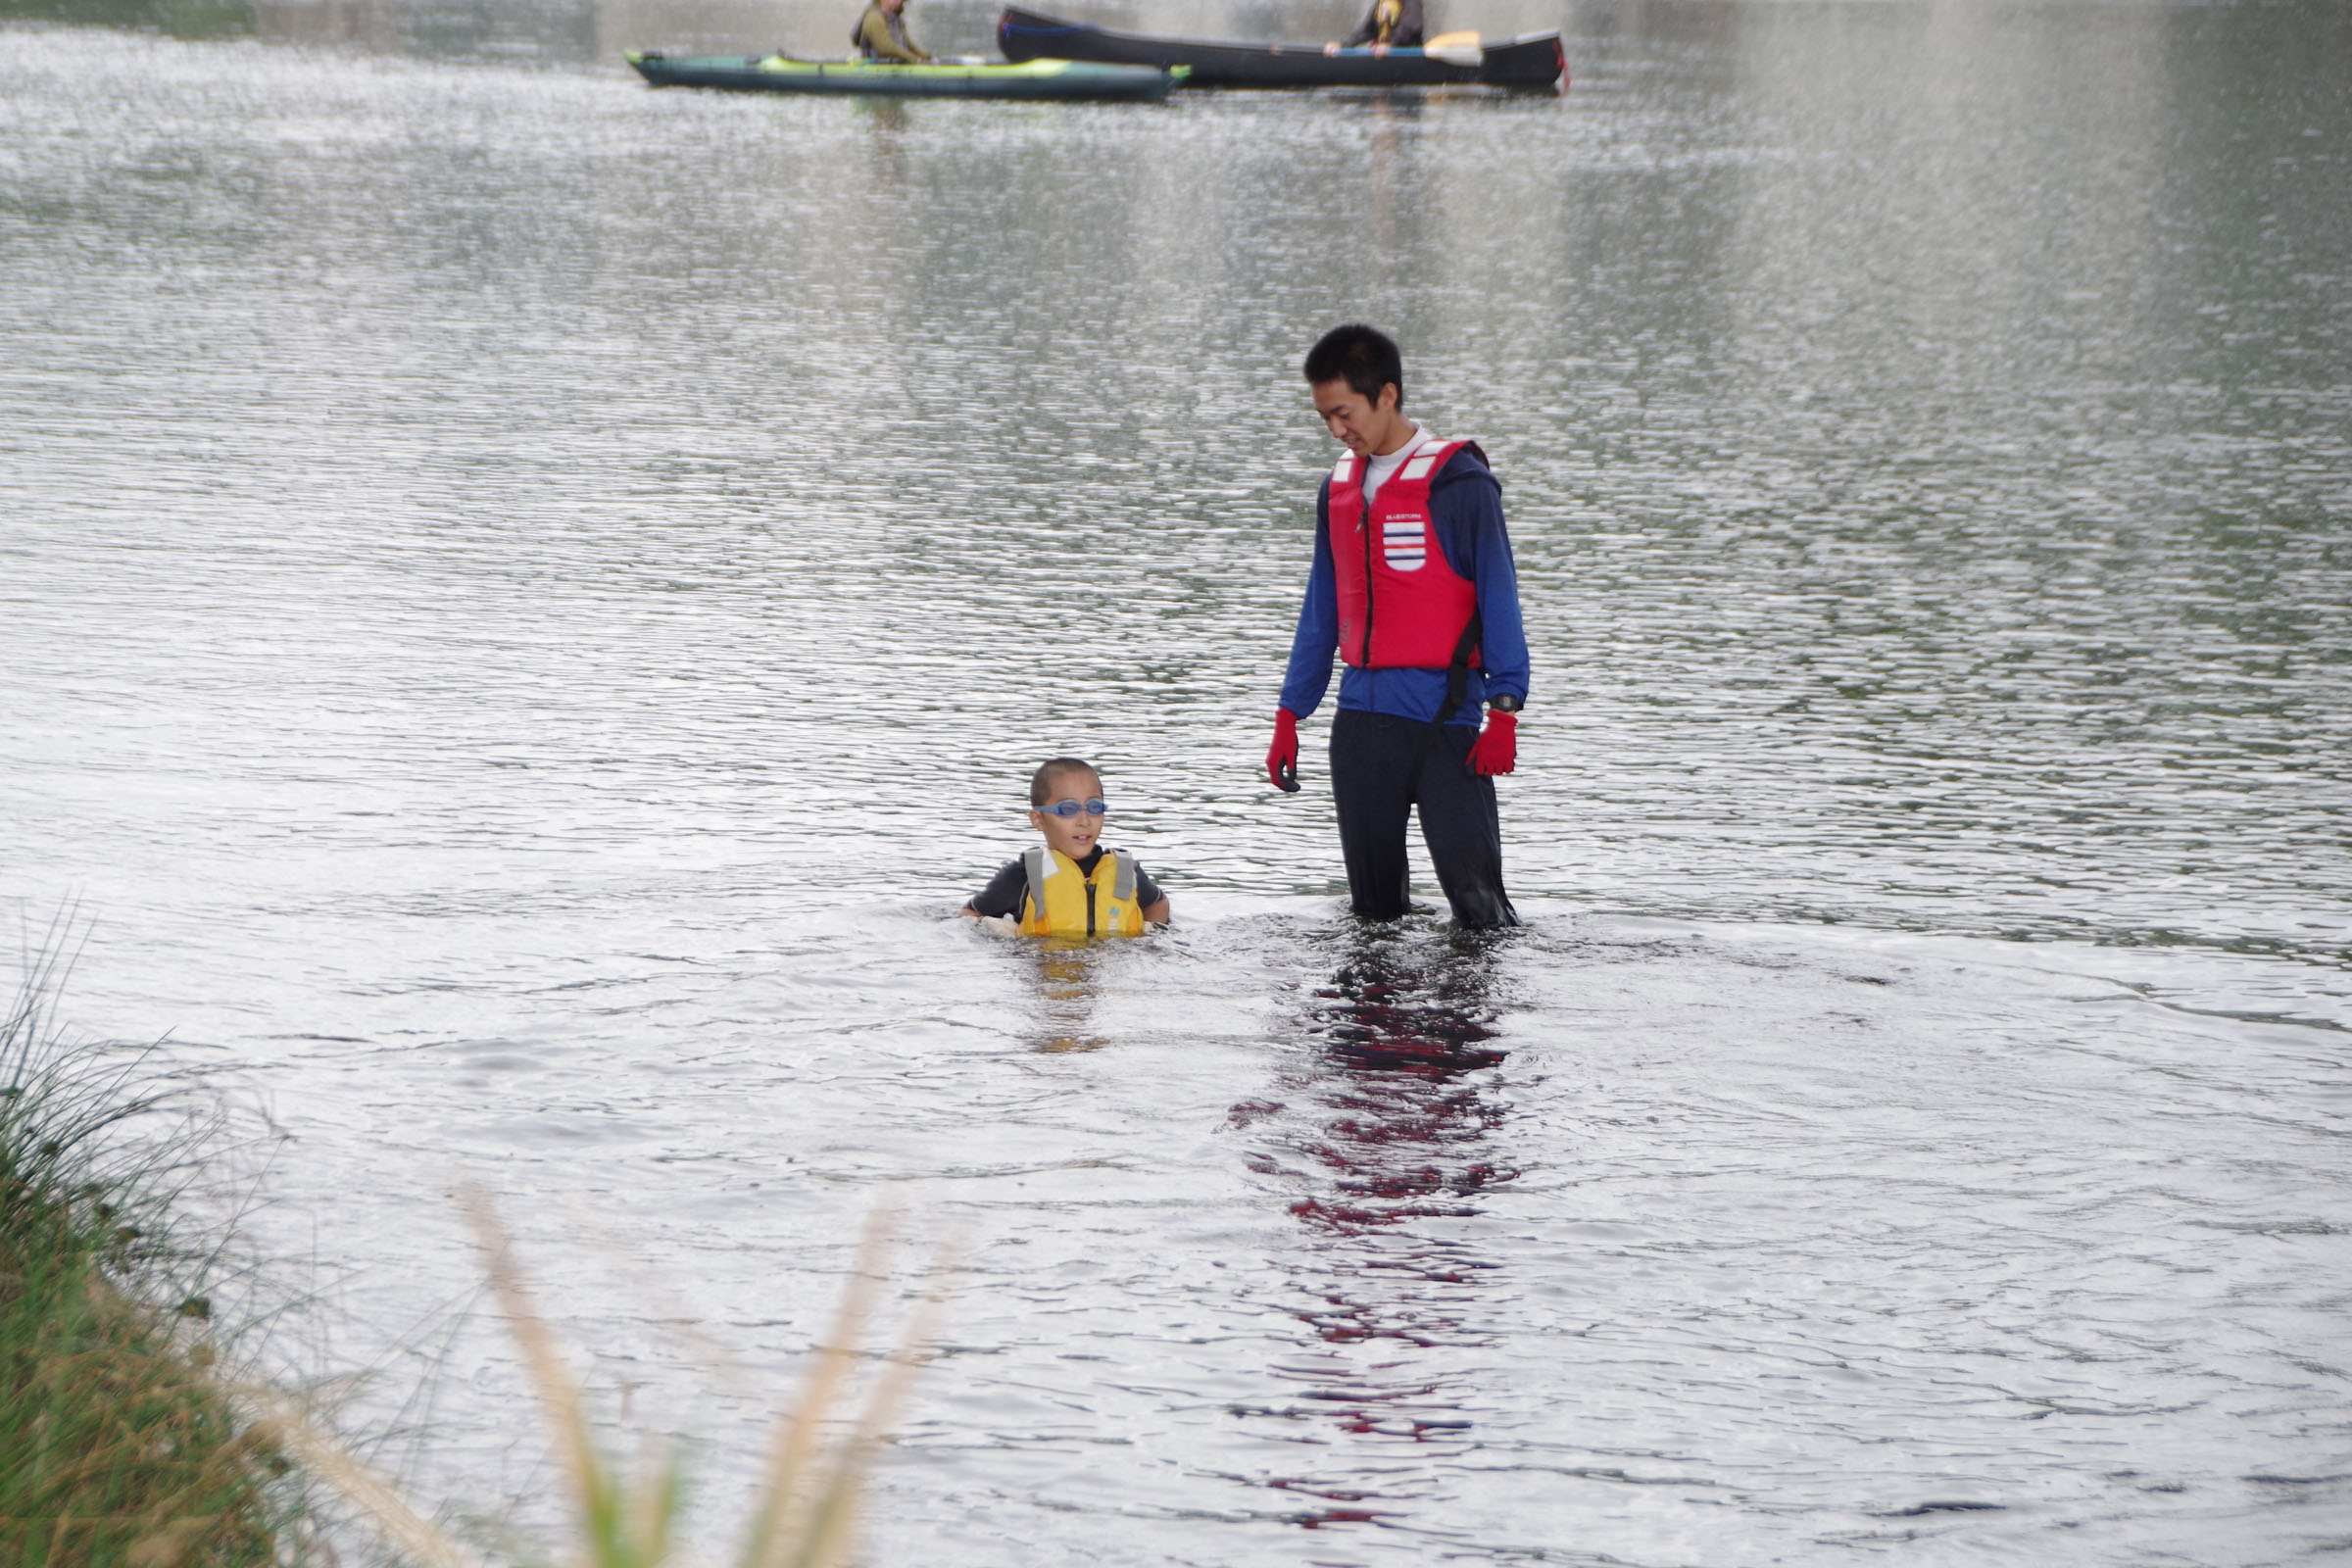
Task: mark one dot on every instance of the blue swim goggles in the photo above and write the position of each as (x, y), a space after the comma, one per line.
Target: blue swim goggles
(1066, 809)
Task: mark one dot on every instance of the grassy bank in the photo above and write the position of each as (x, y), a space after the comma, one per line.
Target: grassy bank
(117, 1444)
(125, 1443)
(178, 19)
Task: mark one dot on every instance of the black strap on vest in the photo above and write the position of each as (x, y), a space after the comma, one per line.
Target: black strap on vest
(1457, 673)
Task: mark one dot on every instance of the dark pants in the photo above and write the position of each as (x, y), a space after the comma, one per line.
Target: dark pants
(1381, 768)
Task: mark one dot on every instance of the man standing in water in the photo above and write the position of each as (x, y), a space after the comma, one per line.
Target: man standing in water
(1413, 583)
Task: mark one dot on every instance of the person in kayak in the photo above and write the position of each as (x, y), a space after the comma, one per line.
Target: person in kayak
(1389, 25)
(1412, 584)
(1070, 886)
(881, 34)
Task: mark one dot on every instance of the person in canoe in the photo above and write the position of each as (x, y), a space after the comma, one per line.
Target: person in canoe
(1389, 25)
(881, 34)
(1411, 584)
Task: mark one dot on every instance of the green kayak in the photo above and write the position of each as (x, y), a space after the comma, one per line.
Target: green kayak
(1032, 79)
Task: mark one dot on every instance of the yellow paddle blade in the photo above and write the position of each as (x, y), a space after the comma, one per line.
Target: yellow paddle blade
(1455, 49)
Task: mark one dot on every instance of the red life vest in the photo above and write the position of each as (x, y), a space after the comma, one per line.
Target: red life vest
(1401, 604)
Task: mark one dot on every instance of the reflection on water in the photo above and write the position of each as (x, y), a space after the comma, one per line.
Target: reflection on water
(520, 597)
(1066, 987)
(1392, 1120)
(1874, 585)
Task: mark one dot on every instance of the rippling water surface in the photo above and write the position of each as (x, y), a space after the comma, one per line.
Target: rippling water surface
(525, 601)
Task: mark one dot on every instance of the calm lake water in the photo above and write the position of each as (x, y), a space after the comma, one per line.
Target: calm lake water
(526, 603)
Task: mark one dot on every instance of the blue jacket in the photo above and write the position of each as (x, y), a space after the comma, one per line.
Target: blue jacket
(1465, 503)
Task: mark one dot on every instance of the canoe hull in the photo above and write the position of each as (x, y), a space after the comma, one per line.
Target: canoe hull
(1031, 79)
(1535, 62)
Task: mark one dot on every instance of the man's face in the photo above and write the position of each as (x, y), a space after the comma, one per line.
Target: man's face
(1073, 836)
(1359, 423)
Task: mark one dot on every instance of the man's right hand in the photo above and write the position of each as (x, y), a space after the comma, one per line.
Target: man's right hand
(1282, 757)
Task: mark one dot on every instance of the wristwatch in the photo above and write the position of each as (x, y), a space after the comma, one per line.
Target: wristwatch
(1504, 702)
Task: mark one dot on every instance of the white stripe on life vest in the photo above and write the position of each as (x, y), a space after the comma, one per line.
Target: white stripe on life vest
(1404, 543)
(1342, 470)
(1416, 467)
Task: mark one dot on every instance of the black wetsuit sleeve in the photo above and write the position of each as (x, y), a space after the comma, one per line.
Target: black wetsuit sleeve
(1002, 895)
(1146, 891)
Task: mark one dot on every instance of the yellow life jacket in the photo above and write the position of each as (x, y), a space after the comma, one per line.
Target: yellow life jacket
(1386, 14)
(1061, 901)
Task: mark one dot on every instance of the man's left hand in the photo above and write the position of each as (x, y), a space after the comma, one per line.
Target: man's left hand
(1497, 749)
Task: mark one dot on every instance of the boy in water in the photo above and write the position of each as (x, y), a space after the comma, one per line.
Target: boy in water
(1070, 886)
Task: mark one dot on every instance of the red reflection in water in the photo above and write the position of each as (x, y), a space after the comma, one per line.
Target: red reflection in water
(1388, 1135)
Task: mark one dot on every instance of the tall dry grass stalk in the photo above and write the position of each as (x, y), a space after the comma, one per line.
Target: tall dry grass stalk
(806, 1506)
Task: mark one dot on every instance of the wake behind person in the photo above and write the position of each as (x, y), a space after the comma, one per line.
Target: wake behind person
(1412, 585)
(1070, 885)
(881, 34)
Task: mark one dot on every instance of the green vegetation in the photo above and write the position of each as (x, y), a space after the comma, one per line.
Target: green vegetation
(179, 18)
(117, 1444)
(126, 1443)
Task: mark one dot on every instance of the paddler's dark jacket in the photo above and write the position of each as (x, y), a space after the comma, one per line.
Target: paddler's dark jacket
(1405, 29)
(879, 35)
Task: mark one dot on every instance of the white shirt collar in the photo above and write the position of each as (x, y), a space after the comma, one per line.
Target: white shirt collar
(1377, 468)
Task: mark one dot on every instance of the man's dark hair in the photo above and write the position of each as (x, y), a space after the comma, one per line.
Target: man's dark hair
(1041, 782)
(1364, 356)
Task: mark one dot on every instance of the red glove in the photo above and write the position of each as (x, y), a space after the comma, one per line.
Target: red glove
(1497, 749)
(1282, 757)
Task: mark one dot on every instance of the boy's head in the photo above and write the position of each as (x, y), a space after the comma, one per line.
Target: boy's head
(1067, 784)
